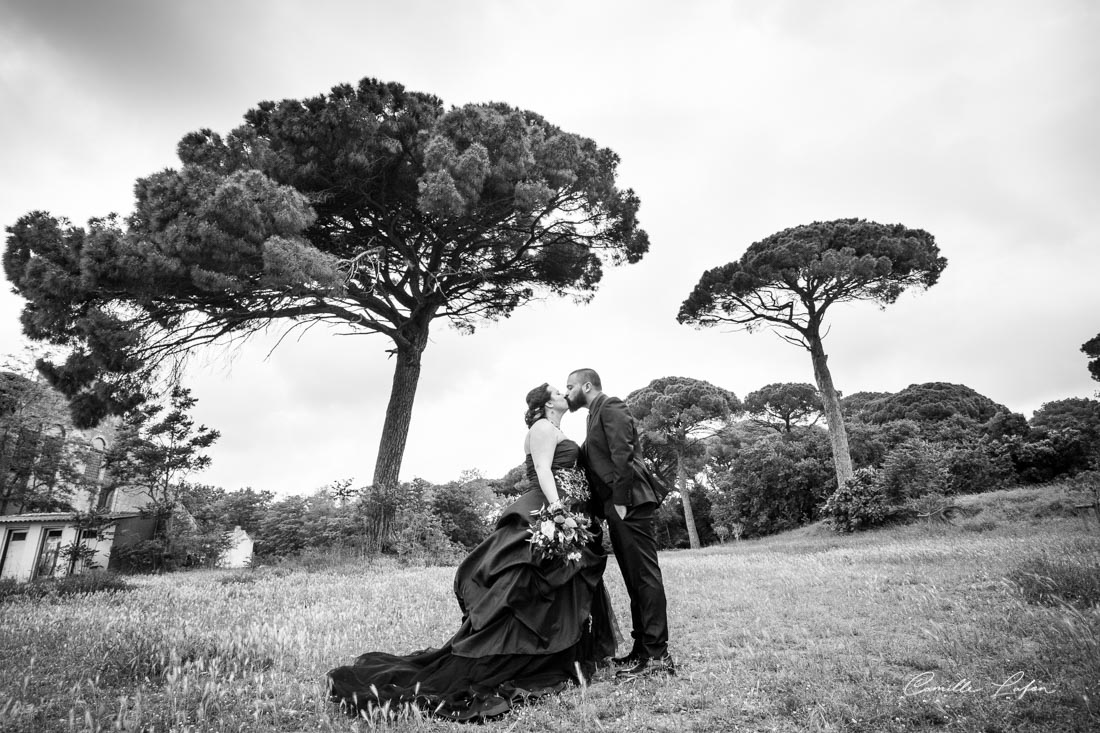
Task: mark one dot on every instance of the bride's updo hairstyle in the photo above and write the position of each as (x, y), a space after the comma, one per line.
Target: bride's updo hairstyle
(536, 403)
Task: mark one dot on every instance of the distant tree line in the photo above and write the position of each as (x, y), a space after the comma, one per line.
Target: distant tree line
(771, 470)
(762, 466)
(428, 523)
(740, 469)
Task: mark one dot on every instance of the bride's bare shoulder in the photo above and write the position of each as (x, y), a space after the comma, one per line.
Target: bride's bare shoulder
(541, 433)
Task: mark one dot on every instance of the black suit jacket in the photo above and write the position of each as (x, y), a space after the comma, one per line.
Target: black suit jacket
(613, 456)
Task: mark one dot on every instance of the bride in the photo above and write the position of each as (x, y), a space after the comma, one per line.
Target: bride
(529, 625)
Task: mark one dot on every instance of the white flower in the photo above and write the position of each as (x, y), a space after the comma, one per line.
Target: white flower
(547, 529)
(573, 556)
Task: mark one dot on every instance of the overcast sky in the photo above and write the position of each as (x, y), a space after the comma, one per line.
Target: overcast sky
(975, 121)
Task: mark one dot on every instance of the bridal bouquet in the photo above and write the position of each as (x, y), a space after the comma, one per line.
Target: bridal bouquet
(557, 532)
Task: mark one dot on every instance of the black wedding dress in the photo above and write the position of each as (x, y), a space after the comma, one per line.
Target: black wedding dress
(527, 627)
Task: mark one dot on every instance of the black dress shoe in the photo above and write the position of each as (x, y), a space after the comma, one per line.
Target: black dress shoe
(646, 667)
(629, 660)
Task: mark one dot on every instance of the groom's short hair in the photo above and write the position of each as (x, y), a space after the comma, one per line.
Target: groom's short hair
(588, 375)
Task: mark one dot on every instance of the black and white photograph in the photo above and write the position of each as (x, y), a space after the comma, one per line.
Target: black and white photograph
(714, 365)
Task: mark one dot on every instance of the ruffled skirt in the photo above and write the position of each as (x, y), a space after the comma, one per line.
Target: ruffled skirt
(528, 629)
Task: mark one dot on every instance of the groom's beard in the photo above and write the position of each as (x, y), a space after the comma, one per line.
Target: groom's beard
(573, 406)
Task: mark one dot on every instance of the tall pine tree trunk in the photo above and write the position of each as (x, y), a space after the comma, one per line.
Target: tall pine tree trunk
(838, 434)
(689, 515)
(395, 432)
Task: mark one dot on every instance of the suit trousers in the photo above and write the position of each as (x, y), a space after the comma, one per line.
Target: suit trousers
(635, 547)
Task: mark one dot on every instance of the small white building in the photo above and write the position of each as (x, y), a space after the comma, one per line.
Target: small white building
(33, 544)
(239, 554)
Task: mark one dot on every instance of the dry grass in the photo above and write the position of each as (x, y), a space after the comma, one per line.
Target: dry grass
(806, 631)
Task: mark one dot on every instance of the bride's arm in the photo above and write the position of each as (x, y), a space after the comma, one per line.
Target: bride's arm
(544, 440)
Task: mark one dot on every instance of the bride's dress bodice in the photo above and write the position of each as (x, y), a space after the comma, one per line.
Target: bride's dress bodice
(566, 453)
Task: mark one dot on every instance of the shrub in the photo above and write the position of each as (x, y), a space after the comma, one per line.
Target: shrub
(9, 588)
(1049, 454)
(423, 540)
(69, 585)
(977, 469)
(184, 549)
(858, 504)
(140, 557)
(199, 549)
(775, 483)
(458, 506)
(926, 504)
(312, 560)
(912, 469)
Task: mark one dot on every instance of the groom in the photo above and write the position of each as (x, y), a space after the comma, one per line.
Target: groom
(627, 494)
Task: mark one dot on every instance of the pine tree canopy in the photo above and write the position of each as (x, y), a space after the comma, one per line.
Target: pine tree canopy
(371, 207)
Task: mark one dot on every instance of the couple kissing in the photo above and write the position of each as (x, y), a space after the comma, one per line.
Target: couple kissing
(535, 612)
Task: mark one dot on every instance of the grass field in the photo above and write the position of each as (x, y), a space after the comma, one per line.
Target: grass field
(990, 624)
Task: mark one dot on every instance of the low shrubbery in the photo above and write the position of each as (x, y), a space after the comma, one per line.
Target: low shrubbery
(173, 552)
(874, 497)
(239, 577)
(859, 504)
(913, 469)
(977, 469)
(95, 582)
(917, 478)
(766, 483)
(423, 540)
(1028, 504)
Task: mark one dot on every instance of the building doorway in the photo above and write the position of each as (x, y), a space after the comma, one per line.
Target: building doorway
(14, 553)
(51, 550)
